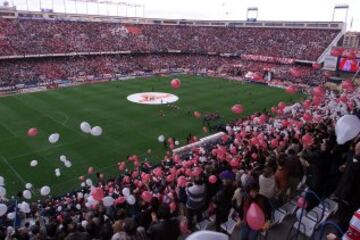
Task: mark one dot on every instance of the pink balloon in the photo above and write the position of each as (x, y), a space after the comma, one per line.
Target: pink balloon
(307, 117)
(175, 83)
(120, 200)
(170, 178)
(212, 179)
(274, 143)
(197, 114)
(181, 181)
(172, 206)
(254, 156)
(318, 91)
(158, 172)
(97, 193)
(32, 132)
(301, 202)
(295, 72)
(316, 66)
(307, 104)
(145, 177)
(281, 105)
(307, 139)
(255, 217)
(262, 118)
(291, 90)
(234, 163)
(146, 196)
(273, 110)
(343, 98)
(237, 109)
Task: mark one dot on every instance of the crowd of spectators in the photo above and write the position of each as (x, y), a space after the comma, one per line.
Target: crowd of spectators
(263, 158)
(19, 71)
(32, 36)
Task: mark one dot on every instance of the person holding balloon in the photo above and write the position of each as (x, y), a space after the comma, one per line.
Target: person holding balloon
(254, 213)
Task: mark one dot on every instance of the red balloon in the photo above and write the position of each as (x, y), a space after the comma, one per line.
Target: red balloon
(146, 196)
(120, 200)
(145, 177)
(318, 91)
(237, 109)
(234, 163)
(255, 217)
(175, 83)
(197, 171)
(170, 178)
(172, 206)
(262, 119)
(212, 179)
(301, 202)
(295, 72)
(307, 104)
(307, 139)
(281, 105)
(181, 181)
(307, 117)
(91, 170)
(197, 114)
(32, 132)
(291, 90)
(316, 66)
(97, 193)
(274, 143)
(347, 85)
(158, 172)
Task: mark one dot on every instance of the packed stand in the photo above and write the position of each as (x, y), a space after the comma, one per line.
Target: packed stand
(33, 36)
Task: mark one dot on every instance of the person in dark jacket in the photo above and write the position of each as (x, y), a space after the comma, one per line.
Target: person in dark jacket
(223, 198)
(252, 196)
(164, 228)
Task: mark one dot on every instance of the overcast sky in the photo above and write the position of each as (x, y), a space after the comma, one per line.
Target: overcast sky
(301, 10)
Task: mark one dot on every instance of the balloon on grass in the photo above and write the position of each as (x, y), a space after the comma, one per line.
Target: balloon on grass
(175, 83)
(28, 185)
(237, 109)
(96, 131)
(67, 163)
(161, 138)
(2, 181)
(54, 138)
(197, 114)
(33, 163)
(32, 132)
(27, 194)
(62, 158)
(291, 90)
(85, 127)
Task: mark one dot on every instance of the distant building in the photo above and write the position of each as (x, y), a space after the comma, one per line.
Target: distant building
(351, 40)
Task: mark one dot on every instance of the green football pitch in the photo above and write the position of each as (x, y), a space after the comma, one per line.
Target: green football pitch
(128, 128)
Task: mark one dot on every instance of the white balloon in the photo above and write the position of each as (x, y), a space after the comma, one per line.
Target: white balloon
(80, 195)
(2, 181)
(89, 182)
(2, 192)
(24, 207)
(27, 194)
(78, 206)
(11, 215)
(45, 190)
(34, 163)
(59, 208)
(58, 174)
(85, 127)
(68, 164)
(28, 186)
(82, 184)
(62, 158)
(177, 143)
(54, 138)
(91, 200)
(207, 235)
(96, 131)
(347, 128)
(126, 192)
(161, 138)
(3, 209)
(131, 200)
(88, 205)
(108, 201)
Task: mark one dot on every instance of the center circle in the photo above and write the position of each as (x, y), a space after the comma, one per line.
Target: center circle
(152, 98)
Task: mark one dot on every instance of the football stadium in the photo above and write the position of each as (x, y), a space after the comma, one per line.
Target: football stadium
(165, 121)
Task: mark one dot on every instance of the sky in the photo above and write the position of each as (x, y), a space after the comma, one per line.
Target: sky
(285, 10)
